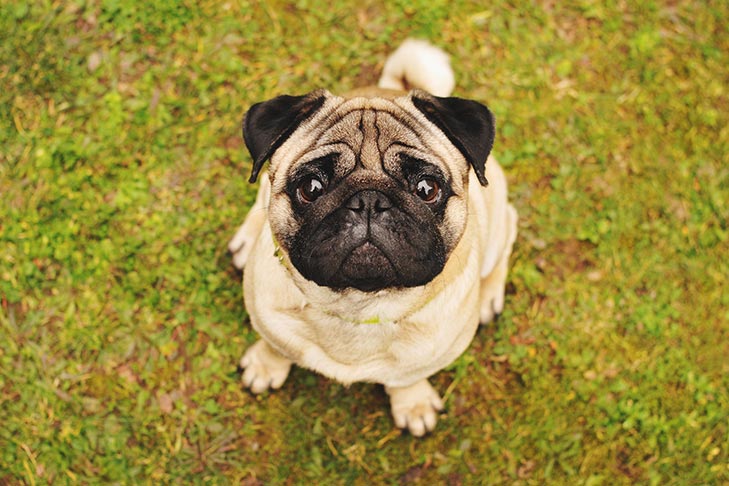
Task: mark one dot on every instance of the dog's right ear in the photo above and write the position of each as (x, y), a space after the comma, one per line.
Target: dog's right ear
(267, 125)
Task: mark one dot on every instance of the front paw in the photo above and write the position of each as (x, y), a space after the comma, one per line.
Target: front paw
(415, 407)
(492, 303)
(241, 245)
(264, 368)
(493, 289)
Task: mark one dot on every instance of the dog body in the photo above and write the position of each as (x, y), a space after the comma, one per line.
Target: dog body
(374, 247)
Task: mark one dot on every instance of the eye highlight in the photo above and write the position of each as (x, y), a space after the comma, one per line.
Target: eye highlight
(428, 190)
(310, 189)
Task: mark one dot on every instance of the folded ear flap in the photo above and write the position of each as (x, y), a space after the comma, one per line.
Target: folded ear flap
(469, 126)
(269, 124)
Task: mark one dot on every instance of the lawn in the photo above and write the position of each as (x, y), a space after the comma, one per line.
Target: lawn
(123, 174)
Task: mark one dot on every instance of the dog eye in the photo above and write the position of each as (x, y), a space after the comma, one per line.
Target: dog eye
(310, 189)
(428, 190)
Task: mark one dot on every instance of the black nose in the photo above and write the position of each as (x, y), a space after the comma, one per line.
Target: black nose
(369, 201)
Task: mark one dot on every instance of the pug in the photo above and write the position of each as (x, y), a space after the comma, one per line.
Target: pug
(380, 235)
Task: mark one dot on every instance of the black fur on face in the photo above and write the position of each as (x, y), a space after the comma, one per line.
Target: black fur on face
(365, 230)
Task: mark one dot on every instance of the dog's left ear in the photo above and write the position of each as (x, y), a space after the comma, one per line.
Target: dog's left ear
(269, 124)
(469, 126)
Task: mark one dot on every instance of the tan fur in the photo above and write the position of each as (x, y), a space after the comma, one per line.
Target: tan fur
(374, 92)
(396, 337)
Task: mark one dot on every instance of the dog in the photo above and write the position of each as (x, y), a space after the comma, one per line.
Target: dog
(380, 235)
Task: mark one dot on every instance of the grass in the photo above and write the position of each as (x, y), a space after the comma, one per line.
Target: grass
(123, 174)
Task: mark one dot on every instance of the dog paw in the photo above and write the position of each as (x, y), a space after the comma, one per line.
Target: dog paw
(240, 246)
(245, 237)
(492, 304)
(263, 368)
(492, 296)
(415, 407)
(239, 259)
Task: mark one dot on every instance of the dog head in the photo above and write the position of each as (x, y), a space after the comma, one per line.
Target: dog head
(369, 193)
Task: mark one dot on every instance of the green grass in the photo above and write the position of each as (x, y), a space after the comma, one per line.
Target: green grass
(123, 174)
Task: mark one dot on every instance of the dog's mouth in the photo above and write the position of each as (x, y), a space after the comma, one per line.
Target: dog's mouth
(368, 269)
(372, 252)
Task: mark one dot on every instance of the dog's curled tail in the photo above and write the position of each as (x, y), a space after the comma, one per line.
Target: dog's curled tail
(418, 64)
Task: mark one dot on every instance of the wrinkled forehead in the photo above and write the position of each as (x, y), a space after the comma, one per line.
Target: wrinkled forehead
(371, 133)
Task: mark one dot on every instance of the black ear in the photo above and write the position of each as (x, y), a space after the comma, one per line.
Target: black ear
(268, 124)
(469, 126)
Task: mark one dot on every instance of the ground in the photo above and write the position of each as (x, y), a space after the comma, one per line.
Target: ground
(123, 174)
